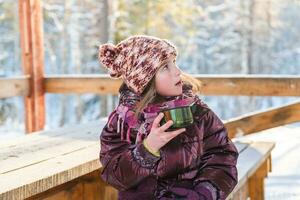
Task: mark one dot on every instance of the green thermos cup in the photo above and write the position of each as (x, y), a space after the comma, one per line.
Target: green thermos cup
(181, 117)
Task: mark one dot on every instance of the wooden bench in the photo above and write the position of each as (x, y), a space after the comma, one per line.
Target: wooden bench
(63, 164)
(253, 165)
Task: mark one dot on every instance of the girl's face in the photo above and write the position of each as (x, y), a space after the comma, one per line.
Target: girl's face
(166, 79)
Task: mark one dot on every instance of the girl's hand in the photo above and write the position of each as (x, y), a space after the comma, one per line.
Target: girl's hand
(157, 137)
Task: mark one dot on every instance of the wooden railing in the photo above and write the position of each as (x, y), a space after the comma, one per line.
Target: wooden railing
(232, 85)
(251, 85)
(262, 120)
(14, 86)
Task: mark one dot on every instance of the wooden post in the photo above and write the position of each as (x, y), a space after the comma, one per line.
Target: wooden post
(257, 184)
(31, 37)
(270, 163)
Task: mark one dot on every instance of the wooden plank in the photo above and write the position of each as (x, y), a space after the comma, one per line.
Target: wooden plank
(47, 174)
(31, 38)
(14, 86)
(47, 145)
(250, 85)
(90, 186)
(68, 191)
(261, 120)
(46, 159)
(95, 188)
(100, 84)
(73, 131)
(11, 161)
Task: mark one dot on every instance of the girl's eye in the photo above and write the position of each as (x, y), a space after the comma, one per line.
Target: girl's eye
(165, 67)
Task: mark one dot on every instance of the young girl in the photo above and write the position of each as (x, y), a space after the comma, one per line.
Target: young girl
(146, 160)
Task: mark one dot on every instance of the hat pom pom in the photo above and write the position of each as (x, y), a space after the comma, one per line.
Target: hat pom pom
(107, 55)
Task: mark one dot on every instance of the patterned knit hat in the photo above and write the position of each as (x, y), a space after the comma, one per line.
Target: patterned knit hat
(136, 59)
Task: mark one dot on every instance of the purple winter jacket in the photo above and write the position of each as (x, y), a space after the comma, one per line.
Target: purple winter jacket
(197, 164)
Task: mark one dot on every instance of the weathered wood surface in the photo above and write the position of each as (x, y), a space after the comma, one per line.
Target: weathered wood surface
(87, 187)
(14, 86)
(34, 163)
(64, 164)
(248, 85)
(262, 120)
(100, 84)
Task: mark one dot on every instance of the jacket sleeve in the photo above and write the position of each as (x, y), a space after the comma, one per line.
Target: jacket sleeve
(124, 165)
(218, 161)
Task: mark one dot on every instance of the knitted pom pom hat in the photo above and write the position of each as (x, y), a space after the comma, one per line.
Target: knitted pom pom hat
(136, 59)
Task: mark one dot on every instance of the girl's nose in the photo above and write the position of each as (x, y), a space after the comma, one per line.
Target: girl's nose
(177, 71)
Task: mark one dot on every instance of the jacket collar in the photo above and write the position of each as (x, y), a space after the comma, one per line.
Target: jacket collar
(128, 99)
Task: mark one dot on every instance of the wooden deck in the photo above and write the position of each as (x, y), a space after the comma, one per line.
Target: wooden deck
(284, 180)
